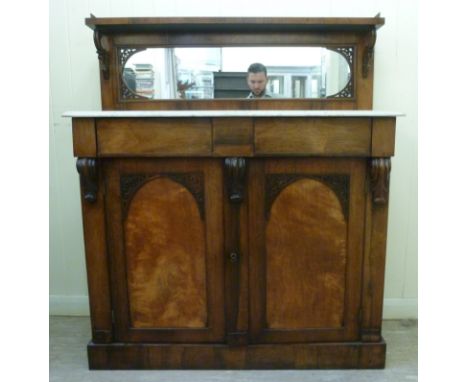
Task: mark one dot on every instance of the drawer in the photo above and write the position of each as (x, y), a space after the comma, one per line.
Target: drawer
(154, 137)
(233, 137)
(318, 136)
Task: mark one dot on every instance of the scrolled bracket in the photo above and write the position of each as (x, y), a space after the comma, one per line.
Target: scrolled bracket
(103, 55)
(235, 176)
(87, 169)
(380, 179)
(368, 57)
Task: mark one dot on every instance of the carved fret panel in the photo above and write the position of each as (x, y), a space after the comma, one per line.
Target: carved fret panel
(123, 55)
(347, 92)
(194, 182)
(348, 53)
(275, 183)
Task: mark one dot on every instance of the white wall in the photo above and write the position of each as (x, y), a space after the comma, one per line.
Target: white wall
(74, 85)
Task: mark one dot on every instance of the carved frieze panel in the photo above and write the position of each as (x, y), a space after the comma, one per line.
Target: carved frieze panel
(275, 183)
(194, 182)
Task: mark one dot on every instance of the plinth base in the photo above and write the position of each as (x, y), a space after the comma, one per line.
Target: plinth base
(350, 355)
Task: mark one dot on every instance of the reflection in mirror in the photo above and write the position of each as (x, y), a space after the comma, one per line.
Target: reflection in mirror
(206, 73)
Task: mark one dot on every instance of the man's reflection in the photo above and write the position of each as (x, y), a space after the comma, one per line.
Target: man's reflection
(257, 80)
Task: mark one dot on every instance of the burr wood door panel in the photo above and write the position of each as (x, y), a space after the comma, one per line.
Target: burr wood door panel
(166, 244)
(306, 228)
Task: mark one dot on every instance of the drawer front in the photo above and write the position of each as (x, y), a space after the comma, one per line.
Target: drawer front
(154, 137)
(233, 137)
(318, 136)
(158, 137)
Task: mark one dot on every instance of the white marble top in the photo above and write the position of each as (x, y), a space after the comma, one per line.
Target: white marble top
(230, 113)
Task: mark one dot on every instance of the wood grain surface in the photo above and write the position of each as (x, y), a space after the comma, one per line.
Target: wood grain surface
(165, 264)
(312, 136)
(154, 136)
(306, 258)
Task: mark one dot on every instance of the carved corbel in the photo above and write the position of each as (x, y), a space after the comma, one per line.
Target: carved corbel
(103, 55)
(380, 179)
(368, 57)
(88, 176)
(235, 175)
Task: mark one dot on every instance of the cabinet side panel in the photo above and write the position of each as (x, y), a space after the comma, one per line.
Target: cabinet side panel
(306, 258)
(84, 137)
(94, 228)
(165, 250)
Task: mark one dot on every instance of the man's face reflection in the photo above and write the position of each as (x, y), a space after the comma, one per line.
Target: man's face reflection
(257, 83)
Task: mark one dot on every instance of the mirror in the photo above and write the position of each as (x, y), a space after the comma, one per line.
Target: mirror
(221, 72)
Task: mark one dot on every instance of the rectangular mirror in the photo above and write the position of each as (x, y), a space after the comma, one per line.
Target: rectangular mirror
(222, 72)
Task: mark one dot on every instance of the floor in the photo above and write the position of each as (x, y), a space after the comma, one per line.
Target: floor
(68, 362)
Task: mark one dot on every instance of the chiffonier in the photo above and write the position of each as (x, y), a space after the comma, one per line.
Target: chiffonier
(231, 232)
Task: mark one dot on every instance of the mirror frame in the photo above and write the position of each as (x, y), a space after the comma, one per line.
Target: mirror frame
(126, 94)
(116, 39)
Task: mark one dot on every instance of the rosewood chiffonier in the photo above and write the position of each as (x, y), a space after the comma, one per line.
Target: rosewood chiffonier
(231, 232)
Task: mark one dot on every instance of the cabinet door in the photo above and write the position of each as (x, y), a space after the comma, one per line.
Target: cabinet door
(306, 222)
(165, 238)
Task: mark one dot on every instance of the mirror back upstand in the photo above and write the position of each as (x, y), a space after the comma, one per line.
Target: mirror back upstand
(235, 233)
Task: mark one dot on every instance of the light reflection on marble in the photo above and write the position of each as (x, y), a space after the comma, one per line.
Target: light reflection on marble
(230, 113)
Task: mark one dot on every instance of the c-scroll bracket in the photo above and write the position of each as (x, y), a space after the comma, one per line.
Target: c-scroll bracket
(368, 56)
(87, 168)
(235, 171)
(380, 179)
(103, 55)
